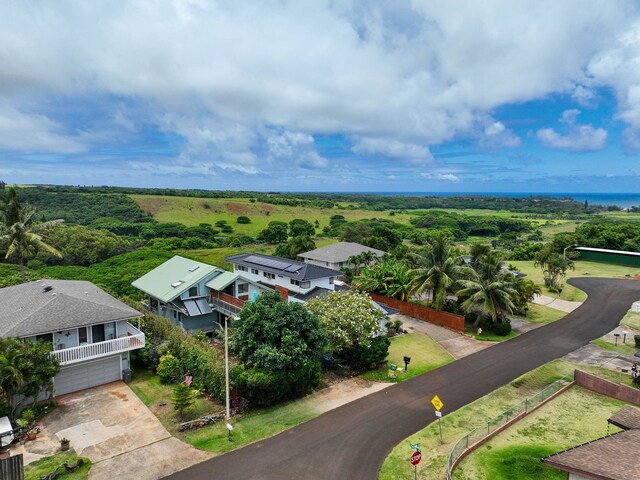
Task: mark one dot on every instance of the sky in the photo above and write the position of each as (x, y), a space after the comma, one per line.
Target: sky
(352, 96)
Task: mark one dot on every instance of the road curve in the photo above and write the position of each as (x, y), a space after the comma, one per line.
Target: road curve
(352, 441)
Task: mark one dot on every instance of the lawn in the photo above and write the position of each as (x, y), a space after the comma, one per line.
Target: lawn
(607, 343)
(488, 336)
(148, 388)
(457, 424)
(582, 269)
(46, 465)
(575, 417)
(426, 354)
(542, 314)
(632, 319)
(193, 211)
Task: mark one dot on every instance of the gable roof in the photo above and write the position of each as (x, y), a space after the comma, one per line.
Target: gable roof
(33, 308)
(339, 252)
(173, 278)
(627, 417)
(614, 457)
(282, 266)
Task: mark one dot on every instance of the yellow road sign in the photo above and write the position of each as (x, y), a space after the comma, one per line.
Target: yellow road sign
(437, 403)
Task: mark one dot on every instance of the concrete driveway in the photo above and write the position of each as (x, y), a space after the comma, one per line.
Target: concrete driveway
(112, 427)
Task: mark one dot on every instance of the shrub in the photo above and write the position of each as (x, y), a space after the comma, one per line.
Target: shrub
(243, 219)
(501, 328)
(182, 398)
(169, 369)
(362, 357)
(637, 339)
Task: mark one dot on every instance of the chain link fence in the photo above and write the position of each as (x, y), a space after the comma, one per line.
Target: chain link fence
(492, 425)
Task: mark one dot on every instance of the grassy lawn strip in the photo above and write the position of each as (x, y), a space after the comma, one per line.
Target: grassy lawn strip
(426, 354)
(573, 418)
(542, 314)
(488, 336)
(46, 465)
(627, 349)
(632, 320)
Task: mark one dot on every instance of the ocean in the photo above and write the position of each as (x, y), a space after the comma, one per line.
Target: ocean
(623, 200)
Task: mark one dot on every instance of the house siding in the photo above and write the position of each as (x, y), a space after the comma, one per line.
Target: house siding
(282, 281)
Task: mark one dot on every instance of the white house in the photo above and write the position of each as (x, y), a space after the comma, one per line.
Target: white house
(295, 280)
(89, 330)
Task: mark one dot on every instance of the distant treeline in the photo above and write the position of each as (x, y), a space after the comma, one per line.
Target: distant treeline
(461, 225)
(533, 205)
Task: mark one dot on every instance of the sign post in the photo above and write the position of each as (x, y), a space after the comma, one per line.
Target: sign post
(437, 403)
(416, 456)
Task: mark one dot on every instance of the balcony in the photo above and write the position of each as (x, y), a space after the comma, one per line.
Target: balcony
(132, 341)
(226, 304)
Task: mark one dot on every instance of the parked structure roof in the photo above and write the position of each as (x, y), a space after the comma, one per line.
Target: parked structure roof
(339, 252)
(173, 278)
(282, 266)
(614, 457)
(628, 417)
(604, 250)
(46, 306)
(222, 281)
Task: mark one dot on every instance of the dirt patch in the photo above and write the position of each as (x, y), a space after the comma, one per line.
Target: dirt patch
(151, 205)
(119, 396)
(266, 207)
(238, 208)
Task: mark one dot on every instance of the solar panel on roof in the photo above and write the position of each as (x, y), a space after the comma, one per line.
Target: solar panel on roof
(293, 268)
(267, 262)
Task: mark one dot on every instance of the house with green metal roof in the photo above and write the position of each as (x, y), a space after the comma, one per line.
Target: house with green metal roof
(194, 295)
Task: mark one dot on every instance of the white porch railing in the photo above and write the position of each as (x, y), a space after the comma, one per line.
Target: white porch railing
(133, 340)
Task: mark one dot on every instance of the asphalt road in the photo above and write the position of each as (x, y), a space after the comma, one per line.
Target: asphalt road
(352, 441)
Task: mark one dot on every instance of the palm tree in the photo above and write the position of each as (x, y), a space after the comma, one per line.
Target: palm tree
(20, 231)
(490, 291)
(10, 375)
(390, 277)
(437, 270)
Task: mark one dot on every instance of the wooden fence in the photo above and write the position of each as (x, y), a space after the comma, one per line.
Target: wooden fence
(444, 319)
(11, 468)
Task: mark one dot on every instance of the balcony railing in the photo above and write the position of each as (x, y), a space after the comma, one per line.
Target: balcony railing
(226, 303)
(134, 340)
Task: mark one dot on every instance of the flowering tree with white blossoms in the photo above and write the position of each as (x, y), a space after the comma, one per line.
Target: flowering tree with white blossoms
(350, 318)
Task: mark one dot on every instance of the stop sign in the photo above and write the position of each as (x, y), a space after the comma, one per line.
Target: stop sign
(415, 458)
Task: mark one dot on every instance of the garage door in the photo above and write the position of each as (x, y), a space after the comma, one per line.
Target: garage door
(87, 375)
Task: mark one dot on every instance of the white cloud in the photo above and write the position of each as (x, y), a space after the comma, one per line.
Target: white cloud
(397, 78)
(448, 177)
(27, 132)
(392, 149)
(296, 147)
(585, 97)
(579, 138)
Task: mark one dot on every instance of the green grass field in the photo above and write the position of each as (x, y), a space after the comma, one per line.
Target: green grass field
(575, 417)
(542, 314)
(582, 269)
(632, 320)
(426, 354)
(488, 336)
(193, 211)
(46, 465)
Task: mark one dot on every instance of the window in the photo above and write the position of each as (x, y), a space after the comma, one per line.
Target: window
(243, 288)
(193, 291)
(45, 337)
(294, 282)
(242, 268)
(82, 335)
(268, 275)
(306, 284)
(175, 314)
(255, 271)
(331, 280)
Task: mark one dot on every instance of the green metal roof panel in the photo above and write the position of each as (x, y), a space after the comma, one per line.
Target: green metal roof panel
(222, 281)
(173, 277)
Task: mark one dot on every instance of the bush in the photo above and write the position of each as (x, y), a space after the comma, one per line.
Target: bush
(169, 369)
(262, 387)
(363, 357)
(243, 219)
(182, 398)
(637, 339)
(501, 328)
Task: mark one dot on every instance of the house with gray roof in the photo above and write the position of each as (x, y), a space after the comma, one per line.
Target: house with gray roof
(194, 295)
(89, 330)
(337, 256)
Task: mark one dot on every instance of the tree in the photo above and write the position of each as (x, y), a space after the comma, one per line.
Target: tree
(490, 291)
(299, 227)
(349, 317)
(295, 246)
(554, 266)
(182, 398)
(526, 290)
(278, 345)
(85, 246)
(243, 219)
(438, 269)
(20, 231)
(388, 277)
(26, 370)
(276, 232)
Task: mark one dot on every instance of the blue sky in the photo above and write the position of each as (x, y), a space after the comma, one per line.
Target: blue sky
(403, 96)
